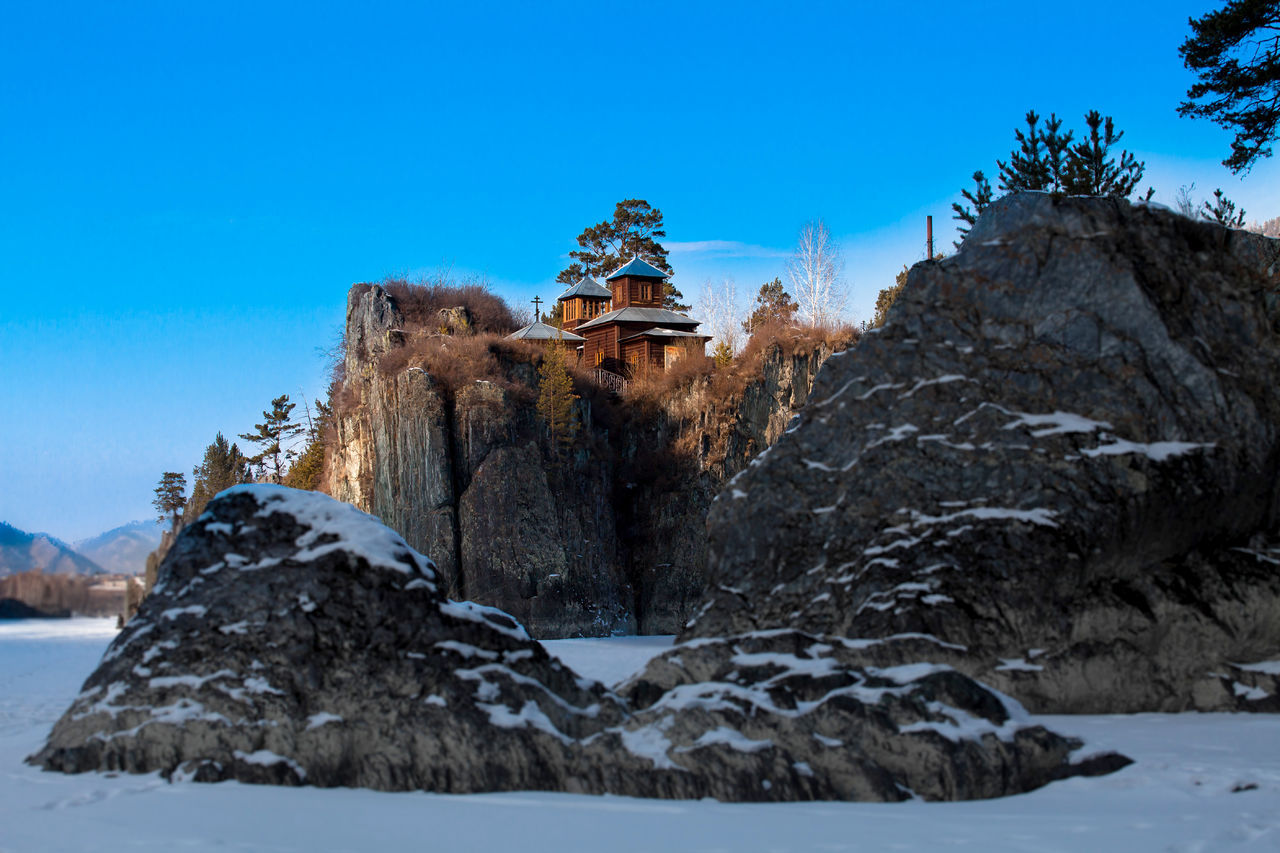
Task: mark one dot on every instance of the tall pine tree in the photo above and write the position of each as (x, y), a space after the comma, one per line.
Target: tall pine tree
(632, 232)
(222, 467)
(171, 497)
(773, 305)
(272, 437)
(555, 399)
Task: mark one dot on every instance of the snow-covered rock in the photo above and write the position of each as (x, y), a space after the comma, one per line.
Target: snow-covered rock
(292, 639)
(1060, 457)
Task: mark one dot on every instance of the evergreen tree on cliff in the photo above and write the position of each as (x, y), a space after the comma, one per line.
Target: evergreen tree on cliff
(305, 473)
(171, 497)
(607, 245)
(979, 198)
(1223, 211)
(773, 305)
(1236, 53)
(1046, 161)
(1089, 169)
(222, 467)
(272, 436)
(555, 399)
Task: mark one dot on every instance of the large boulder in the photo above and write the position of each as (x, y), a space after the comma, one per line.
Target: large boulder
(1058, 459)
(293, 640)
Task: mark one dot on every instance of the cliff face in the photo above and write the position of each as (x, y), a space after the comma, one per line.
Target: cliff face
(1059, 460)
(608, 541)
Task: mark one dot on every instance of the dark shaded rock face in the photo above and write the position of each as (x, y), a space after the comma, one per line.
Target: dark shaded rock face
(294, 640)
(1058, 458)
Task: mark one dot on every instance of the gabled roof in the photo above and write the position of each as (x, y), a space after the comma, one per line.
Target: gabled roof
(637, 267)
(587, 287)
(542, 332)
(665, 333)
(632, 314)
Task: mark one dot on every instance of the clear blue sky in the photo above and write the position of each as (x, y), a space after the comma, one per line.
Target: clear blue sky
(189, 189)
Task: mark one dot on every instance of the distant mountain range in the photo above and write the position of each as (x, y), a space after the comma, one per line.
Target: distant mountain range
(122, 550)
(21, 551)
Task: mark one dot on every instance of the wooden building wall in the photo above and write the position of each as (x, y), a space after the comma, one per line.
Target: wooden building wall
(630, 290)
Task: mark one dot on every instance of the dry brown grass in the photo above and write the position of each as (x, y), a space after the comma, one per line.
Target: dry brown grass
(421, 302)
(722, 384)
(458, 360)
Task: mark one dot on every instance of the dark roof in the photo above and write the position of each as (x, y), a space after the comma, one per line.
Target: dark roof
(587, 287)
(543, 332)
(665, 333)
(637, 267)
(632, 314)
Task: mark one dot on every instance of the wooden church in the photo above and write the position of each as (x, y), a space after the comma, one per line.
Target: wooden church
(626, 329)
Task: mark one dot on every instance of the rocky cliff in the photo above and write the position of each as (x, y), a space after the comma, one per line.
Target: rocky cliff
(611, 540)
(1058, 460)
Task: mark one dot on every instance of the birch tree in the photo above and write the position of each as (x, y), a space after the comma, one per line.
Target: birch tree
(816, 274)
(722, 311)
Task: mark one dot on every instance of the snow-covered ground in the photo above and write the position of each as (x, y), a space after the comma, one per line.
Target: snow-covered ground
(1177, 797)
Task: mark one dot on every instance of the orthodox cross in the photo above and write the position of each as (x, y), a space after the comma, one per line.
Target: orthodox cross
(537, 308)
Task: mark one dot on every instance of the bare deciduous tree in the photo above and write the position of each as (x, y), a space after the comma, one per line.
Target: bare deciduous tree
(816, 274)
(1185, 204)
(722, 313)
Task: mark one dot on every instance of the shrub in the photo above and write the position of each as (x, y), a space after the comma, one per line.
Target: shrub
(458, 360)
(420, 304)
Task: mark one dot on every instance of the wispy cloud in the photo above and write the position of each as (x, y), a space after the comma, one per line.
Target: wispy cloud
(724, 249)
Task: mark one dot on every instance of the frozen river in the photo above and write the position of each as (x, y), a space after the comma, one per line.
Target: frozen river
(1201, 782)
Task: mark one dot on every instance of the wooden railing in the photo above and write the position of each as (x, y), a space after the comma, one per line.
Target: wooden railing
(612, 381)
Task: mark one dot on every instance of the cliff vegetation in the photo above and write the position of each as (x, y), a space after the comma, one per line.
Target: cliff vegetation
(436, 430)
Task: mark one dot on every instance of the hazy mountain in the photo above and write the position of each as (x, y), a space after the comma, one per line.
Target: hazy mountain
(124, 549)
(21, 551)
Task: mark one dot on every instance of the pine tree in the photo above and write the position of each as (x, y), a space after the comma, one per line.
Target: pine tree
(171, 497)
(979, 198)
(223, 466)
(306, 472)
(1223, 211)
(271, 436)
(722, 354)
(1057, 145)
(605, 246)
(1236, 53)
(773, 305)
(555, 399)
(1028, 167)
(1045, 160)
(1090, 170)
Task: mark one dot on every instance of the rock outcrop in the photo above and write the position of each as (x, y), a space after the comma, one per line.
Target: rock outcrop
(1058, 460)
(611, 543)
(294, 640)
